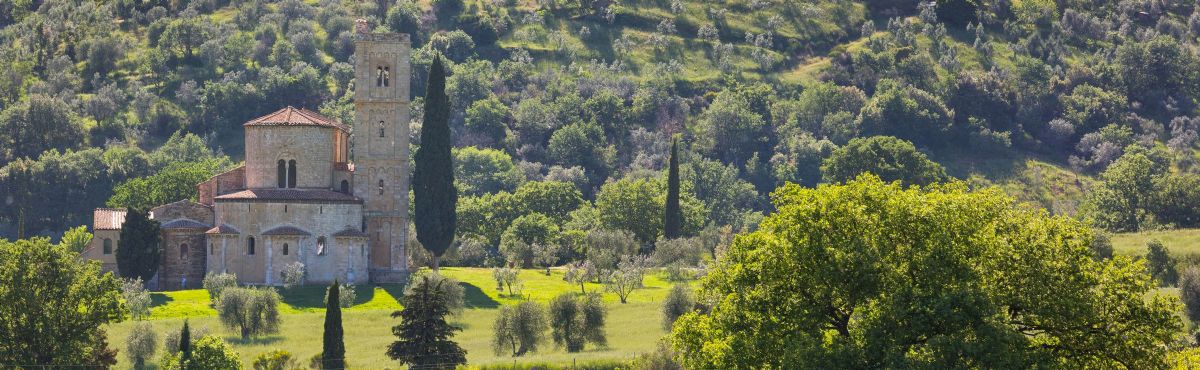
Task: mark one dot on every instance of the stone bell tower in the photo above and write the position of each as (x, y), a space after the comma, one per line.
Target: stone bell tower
(381, 117)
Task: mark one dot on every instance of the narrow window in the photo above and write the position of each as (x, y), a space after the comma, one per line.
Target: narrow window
(212, 249)
(285, 249)
(387, 75)
(183, 251)
(380, 187)
(381, 131)
(107, 246)
(378, 76)
(281, 172)
(250, 246)
(321, 246)
(346, 186)
(292, 173)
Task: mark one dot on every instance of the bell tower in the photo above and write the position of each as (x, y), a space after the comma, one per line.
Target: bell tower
(380, 139)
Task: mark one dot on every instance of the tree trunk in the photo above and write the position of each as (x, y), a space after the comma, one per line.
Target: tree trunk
(436, 259)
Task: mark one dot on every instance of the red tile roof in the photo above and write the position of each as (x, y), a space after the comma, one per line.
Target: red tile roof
(108, 219)
(287, 230)
(223, 229)
(297, 195)
(296, 117)
(350, 233)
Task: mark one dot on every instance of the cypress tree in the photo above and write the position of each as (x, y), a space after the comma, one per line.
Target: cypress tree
(434, 194)
(673, 215)
(185, 343)
(139, 251)
(333, 350)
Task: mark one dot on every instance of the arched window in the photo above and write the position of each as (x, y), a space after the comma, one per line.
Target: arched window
(321, 246)
(285, 249)
(387, 75)
(281, 172)
(291, 173)
(212, 249)
(107, 246)
(345, 187)
(250, 246)
(381, 131)
(381, 187)
(183, 251)
(379, 76)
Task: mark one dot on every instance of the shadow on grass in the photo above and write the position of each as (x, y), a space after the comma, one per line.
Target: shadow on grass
(254, 340)
(363, 293)
(395, 290)
(476, 298)
(159, 299)
(308, 296)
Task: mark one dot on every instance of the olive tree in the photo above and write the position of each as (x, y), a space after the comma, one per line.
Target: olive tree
(519, 329)
(251, 311)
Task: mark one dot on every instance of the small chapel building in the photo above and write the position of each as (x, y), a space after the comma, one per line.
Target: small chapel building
(312, 190)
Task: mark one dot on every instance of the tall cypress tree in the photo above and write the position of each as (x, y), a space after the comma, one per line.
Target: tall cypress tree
(185, 343)
(434, 194)
(139, 251)
(333, 350)
(673, 215)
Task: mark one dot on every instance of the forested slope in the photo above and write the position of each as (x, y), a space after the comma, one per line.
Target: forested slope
(130, 102)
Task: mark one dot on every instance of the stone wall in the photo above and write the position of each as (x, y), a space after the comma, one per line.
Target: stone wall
(95, 249)
(184, 259)
(312, 147)
(225, 183)
(184, 209)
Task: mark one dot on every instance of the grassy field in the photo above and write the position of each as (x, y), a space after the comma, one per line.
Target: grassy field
(632, 328)
(1179, 242)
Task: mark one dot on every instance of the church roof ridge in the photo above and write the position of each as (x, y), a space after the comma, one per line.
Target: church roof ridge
(292, 116)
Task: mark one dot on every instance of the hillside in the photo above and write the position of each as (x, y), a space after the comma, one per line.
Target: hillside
(1036, 97)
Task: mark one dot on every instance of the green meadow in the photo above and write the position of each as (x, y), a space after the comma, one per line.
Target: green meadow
(633, 328)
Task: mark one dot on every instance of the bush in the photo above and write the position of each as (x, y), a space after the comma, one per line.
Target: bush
(293, 275)
(452, 290)
(1189, 292)
(662, 358)
(137, 298)
(346, 295)
(210, 353)
(217, 283)
(252, 311)
(275, 360)
(171, 339)
(507, 277)
(679, 301)
(1160, 264)
(141, 344)
(519, 329)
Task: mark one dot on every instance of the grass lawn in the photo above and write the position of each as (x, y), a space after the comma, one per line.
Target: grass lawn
(632, 328)
(1180, 242)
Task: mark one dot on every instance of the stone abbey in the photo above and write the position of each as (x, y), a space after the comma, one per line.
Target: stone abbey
(302, 195)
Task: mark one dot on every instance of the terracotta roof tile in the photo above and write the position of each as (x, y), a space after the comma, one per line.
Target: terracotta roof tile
(287, 230)
(291, 116)
(299, 195)
(223, 229)
(184, 223)
(108, 219)
(350, 233)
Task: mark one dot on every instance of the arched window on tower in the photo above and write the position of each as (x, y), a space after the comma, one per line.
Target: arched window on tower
(183, 251)
(285, 249)
(387, 75)
(381, 129)
(291, 173)
(345, 187)
(250, 246)
(320, 245)
(107, 246)
(381, 187)
(281, 172)
(379, 76)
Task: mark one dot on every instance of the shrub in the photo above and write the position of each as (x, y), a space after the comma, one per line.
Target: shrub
(210, 353)
(452, 290)
(1189, 292)
(171, 339)
(293, 274)
(507, 277)
(679, 301)
(519, 329)
(346, 296)
(275, 360)
(141, 344)
(217, 283)
(250, 310)
(662, 358)
(137, 298)
(1160, 263)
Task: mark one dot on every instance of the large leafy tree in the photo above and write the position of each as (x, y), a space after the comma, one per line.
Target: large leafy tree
(876, 275)
(434, 192)
(139, 250)
(333, 350)
(36, 124)
(636, 205)
(424, 335)
(889, 158)
(54, 306)
(1119, 202)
